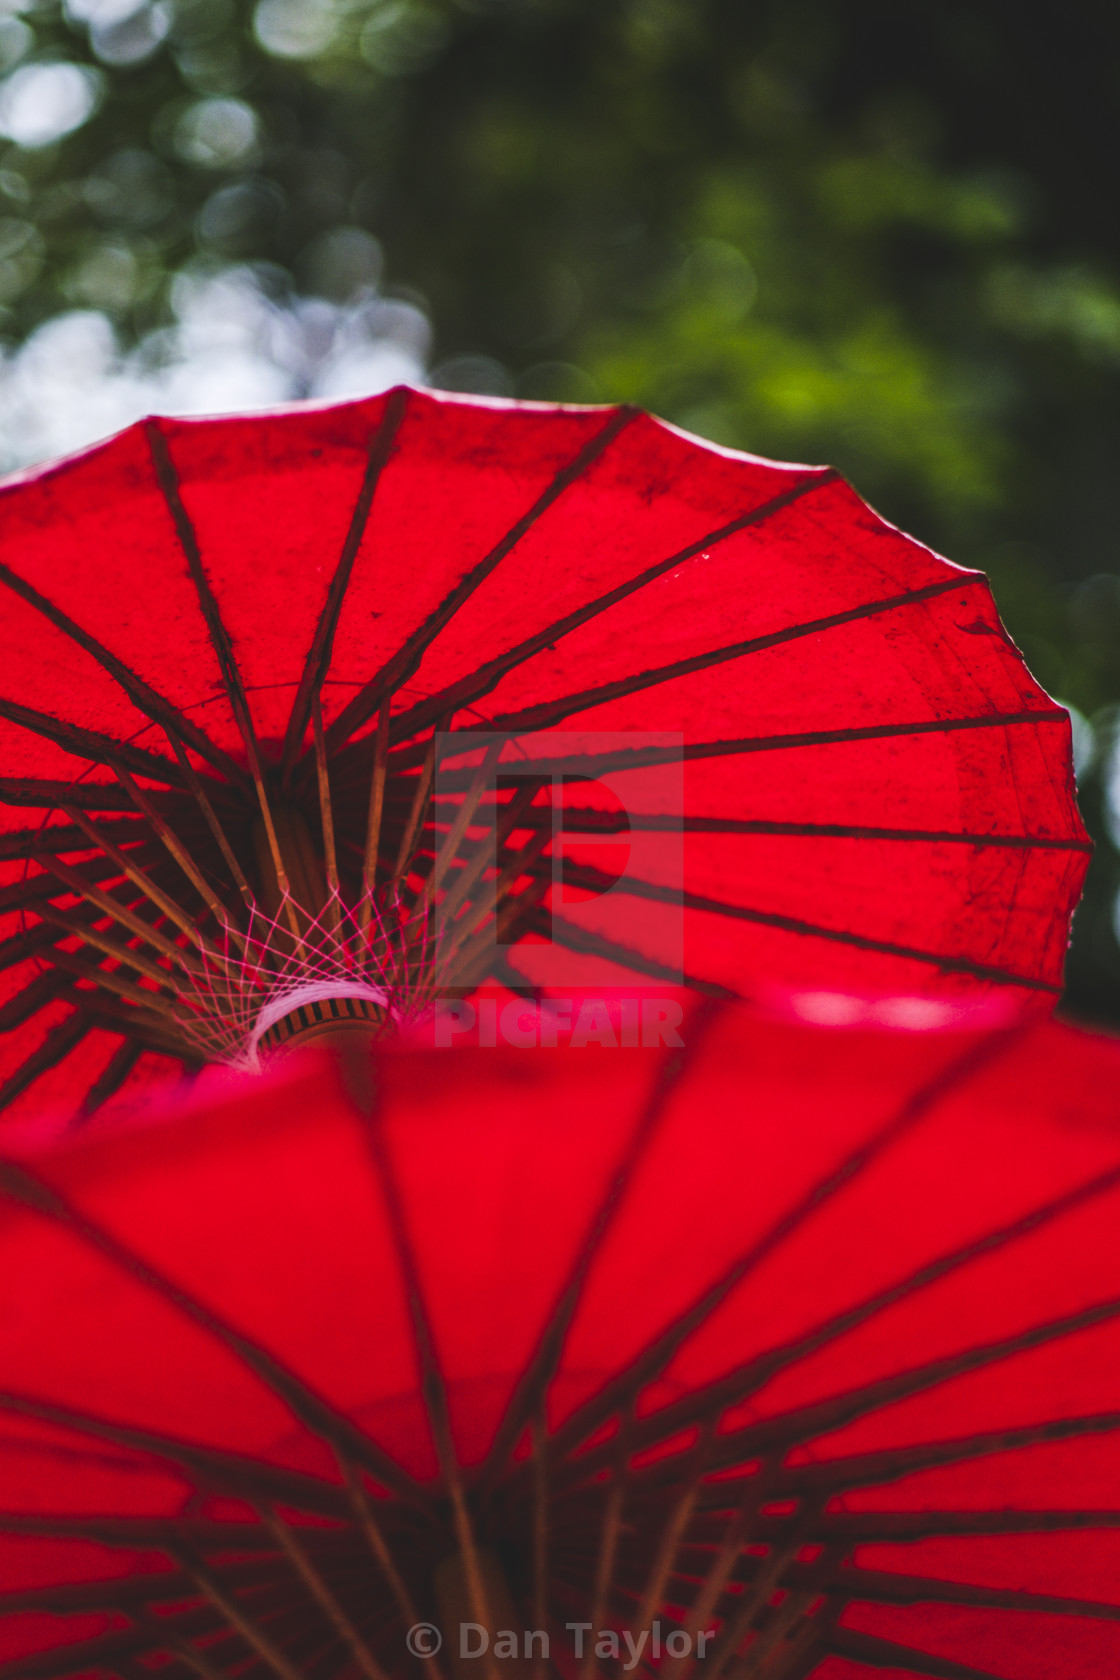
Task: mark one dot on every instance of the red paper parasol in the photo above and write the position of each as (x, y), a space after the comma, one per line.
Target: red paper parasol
(227, 648)
(619, 1340)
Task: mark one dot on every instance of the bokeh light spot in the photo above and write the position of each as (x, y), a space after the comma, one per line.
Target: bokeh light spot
(39, 103)
(218, 134)
(294, 28)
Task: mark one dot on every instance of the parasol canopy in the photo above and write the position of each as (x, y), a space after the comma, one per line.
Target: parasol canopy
(230, 651)
(653, 1343)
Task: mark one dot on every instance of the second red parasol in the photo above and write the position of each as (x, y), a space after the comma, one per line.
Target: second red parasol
(653, 1362)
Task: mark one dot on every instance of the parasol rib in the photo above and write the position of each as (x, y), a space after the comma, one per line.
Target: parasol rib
(171, 842)
(171, 1639)
(885, 1653)
(864, 1469)
(664, 1563)
(108, 1083)
(327, 1600)
(213, 1468)
(766, 1366)
(672, 1070)
(109, 906)
(465, 943)
(539, 1450)
(363, 705)
(551, 712)
(867, 1527)
(153, 1028)
(168, 480)
(577, 939)
(30, 843)
(87, 743)
(413, 828)
(608, 822)
(466, 813)
(769, 1578)
(318, 658)
(610, 1530)
(85, 968)
(238, 1619)
(91, 1656)
(28, 790)
(23, 1004)
(656, 1357)
(881, 1586)
(20, 946)
(480, 682)
(376, 810)
(376, 1542)
(215, 827)
(512, 816)
(21, 1185)
(593, 765)
(35, 890)
(326, 817)
(432, 1385)
(805, 1422)
(713, 1587)
(109, 1594)
(145, 698)
(56, 1046)
(162, 901)
(99, 941)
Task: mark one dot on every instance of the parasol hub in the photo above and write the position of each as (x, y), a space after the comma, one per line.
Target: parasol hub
(319, 1012)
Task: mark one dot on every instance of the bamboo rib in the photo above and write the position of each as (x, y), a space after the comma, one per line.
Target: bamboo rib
(177, 850)
(326, 815)
(435, 1403)
(719, 1573)
(99, 941)
(54, 838)
(376, 1541)
(203, 801)
(784, 1619)
(540, 1534)
(162, 901)
(666, 1556)
(400, 667)
(148, 1027)
(109, 906)
(460, 948)
(766, 1584)
(168, 480)
(318, 658)
(766, 1656)
(472, 1565)
(234, 1614)
(508, 818)
(112, 981)
(420, 797)
(463, 817)
(318, 1588)
(609, 1536)
(376, 810)
(470, 958)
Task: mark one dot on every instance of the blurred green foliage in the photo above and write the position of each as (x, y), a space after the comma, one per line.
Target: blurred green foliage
(875, 235)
